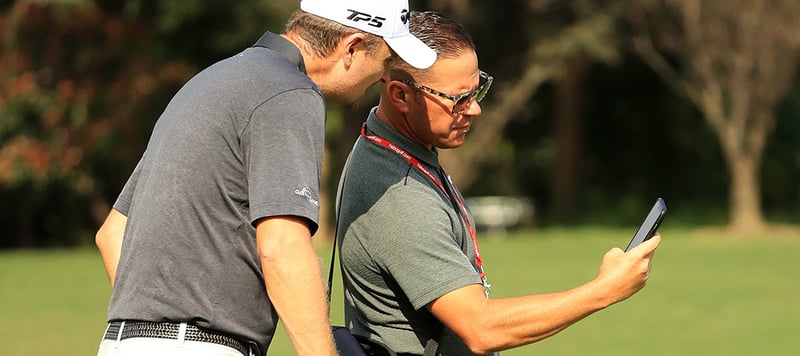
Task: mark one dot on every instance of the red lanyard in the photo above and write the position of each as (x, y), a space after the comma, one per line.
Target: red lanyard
(380, 141)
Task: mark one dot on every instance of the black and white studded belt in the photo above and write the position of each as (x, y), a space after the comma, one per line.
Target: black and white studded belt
(121, 330)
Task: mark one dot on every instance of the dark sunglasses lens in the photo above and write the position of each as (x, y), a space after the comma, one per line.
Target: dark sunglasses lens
(462, 104)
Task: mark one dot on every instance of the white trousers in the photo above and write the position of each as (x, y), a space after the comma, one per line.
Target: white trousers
(139, 346)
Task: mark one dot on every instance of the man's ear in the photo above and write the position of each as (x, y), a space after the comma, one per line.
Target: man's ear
(349, 46)
(399, 95)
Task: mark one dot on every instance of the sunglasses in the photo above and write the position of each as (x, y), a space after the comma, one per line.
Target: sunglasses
(462, 102)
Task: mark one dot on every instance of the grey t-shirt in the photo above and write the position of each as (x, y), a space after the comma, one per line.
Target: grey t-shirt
(242, 140)
(402, 245)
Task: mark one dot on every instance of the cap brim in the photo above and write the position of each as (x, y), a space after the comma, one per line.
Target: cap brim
(412, 50)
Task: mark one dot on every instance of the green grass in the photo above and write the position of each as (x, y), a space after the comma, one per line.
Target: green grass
(52, 302)
(708, 295)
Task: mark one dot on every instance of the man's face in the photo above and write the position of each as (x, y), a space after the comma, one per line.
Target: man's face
(432, 119)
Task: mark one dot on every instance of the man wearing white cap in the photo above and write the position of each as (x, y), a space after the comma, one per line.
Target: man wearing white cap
(209, 241)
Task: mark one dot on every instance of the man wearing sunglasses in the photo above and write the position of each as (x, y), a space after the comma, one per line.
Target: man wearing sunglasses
(412, 270)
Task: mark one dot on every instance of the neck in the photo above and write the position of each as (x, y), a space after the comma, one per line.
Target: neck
(317, 68)
(399, 122)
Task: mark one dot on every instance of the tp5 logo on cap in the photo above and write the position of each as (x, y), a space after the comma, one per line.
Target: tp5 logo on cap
(386, 18)
(356, 16)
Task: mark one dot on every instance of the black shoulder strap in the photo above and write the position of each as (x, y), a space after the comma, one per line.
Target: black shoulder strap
(432, 346)
(282, 46)
(333, 258)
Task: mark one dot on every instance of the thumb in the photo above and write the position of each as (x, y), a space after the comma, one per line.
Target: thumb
(649, 246)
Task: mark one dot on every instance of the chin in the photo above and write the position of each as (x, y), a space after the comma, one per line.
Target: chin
(451, 144)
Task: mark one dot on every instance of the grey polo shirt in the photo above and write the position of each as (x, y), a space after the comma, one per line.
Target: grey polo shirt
(242, 140)
(402, 244)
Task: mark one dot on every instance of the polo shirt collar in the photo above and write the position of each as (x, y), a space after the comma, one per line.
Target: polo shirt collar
(420, 152)
(284, 47)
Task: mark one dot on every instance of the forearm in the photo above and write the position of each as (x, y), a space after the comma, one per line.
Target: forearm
(488, 325)
(109, 241)
(513, 322)
(293, 277)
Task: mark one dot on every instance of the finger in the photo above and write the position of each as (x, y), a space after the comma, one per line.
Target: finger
(648, 247)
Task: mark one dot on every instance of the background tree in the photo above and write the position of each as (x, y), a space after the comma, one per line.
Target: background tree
(735, 60)
(576, 122)
(66, 102)
(81, 85)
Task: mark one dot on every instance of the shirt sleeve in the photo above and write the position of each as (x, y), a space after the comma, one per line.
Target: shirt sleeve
(419, 247)
(123, 202)
(284, 144)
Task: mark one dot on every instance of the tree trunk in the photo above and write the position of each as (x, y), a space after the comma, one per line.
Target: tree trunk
(26, 233)
(743, 150)
(745, 195)
(568, 138)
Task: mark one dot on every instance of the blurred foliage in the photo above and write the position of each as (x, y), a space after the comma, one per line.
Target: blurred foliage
(82, 83)
(77, 105)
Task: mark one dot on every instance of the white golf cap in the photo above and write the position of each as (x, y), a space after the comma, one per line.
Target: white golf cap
(385, 18)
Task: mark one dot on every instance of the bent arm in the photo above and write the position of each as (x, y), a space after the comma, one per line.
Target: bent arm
(109, 241)
(488, 325)
(293, 276)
